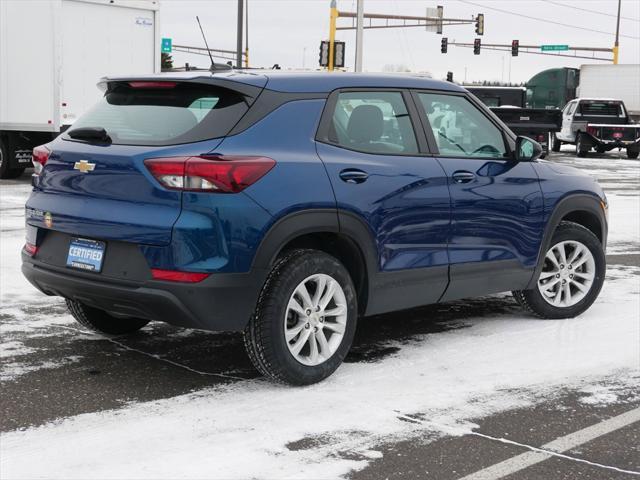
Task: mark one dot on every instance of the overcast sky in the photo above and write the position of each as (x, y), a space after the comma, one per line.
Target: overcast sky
(288, 32)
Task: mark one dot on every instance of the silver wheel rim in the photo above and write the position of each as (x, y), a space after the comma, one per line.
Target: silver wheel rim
(567, 275)
(315, 320)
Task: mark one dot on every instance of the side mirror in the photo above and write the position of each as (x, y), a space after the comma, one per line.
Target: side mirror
(527, 149)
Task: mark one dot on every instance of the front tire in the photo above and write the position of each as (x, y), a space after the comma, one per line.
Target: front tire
(101, 322)
(555, 143)
(305, 320)
(6, 171)
(572, 275)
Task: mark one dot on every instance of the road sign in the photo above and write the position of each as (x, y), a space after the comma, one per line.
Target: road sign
(554, 48)
(166, 45)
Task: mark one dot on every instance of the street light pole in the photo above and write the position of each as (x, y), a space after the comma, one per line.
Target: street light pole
(246, 35)
(239, 34)
(616, 46)
(359, 31)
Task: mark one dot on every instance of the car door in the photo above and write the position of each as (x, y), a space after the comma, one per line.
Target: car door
(565, 133)
(496, 214)
(384, 180)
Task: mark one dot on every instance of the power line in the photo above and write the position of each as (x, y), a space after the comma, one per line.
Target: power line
(590, 11)
(545, 20)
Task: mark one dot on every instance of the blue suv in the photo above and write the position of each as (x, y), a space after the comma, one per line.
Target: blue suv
(288, 205)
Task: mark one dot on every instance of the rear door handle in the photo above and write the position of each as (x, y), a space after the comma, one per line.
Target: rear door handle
(353, 175)
(462, 176)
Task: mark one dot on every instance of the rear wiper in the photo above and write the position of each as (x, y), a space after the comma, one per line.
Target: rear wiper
(90, 133)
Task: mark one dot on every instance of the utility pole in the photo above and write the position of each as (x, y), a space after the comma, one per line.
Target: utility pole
(616, 46)
(239, 34)
(332, 33)
(359, 31)
(246, 35)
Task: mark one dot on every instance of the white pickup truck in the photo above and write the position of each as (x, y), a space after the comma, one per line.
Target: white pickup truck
(600, 124)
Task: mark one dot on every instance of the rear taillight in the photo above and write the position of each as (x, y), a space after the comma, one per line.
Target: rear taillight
(178, 276)
(214, 173)
(592, 131)
(542, 137)
(30, 249)
(39, 158)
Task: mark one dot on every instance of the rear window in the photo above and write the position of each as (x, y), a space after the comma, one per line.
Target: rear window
(164, 116)
(605, 109)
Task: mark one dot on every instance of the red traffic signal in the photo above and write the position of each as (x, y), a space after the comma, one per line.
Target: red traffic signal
(515, 45)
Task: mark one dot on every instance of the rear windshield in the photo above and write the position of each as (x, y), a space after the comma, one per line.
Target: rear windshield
(183, 113)
(602, 109)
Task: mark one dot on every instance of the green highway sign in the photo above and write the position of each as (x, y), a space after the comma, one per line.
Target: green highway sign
(554, 48)
(166, 45)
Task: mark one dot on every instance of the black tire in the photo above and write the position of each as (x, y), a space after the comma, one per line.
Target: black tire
(632, 154)
(6, 171)
(101, 322)
(264, 338)
(555, 143)
(581, 150)
(532, 300)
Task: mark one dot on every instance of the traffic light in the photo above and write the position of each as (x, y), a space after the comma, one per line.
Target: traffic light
(450, 77)
(444, 44)
(476, 46)
(515, 45)
(480, 24)
(324, 54)
(338, 54)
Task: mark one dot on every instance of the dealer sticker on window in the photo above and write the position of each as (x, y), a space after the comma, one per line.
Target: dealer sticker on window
(85, 254)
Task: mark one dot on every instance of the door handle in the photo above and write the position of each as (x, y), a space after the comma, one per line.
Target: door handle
(462, 176)
(353, 175)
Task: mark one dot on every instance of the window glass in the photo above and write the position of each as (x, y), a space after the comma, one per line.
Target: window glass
(601, 109)
(570, 108)
(164, 116)
(460, 129)
(373, 122)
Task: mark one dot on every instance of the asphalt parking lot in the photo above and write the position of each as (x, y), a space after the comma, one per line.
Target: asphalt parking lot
(468, 389)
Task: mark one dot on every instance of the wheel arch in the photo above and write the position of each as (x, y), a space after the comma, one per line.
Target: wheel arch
(583, 209)
(340, 234)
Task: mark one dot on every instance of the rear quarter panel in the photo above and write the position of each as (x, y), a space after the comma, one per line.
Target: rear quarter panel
(223, 232)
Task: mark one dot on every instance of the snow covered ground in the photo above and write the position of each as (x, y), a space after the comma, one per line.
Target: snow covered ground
(497, 360)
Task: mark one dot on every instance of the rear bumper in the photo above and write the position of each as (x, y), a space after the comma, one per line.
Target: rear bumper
(613, 143)
(220, 302)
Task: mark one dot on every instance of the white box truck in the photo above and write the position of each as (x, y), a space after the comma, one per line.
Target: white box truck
(52, 54)
(619, 82)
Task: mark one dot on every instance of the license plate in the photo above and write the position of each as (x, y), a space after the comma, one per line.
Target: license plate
(85, 254)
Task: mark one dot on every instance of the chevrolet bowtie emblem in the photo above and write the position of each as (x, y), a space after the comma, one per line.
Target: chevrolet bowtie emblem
(84, 166)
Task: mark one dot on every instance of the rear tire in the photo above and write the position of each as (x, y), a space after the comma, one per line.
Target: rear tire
(101, 322)
(581, 149)
(6, 171)
(633, 154)
(557, 276)
(283, 318)
(555, 143)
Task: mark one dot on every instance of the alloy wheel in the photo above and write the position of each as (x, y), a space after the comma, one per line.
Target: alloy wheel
(567, 275)
(315, 319)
